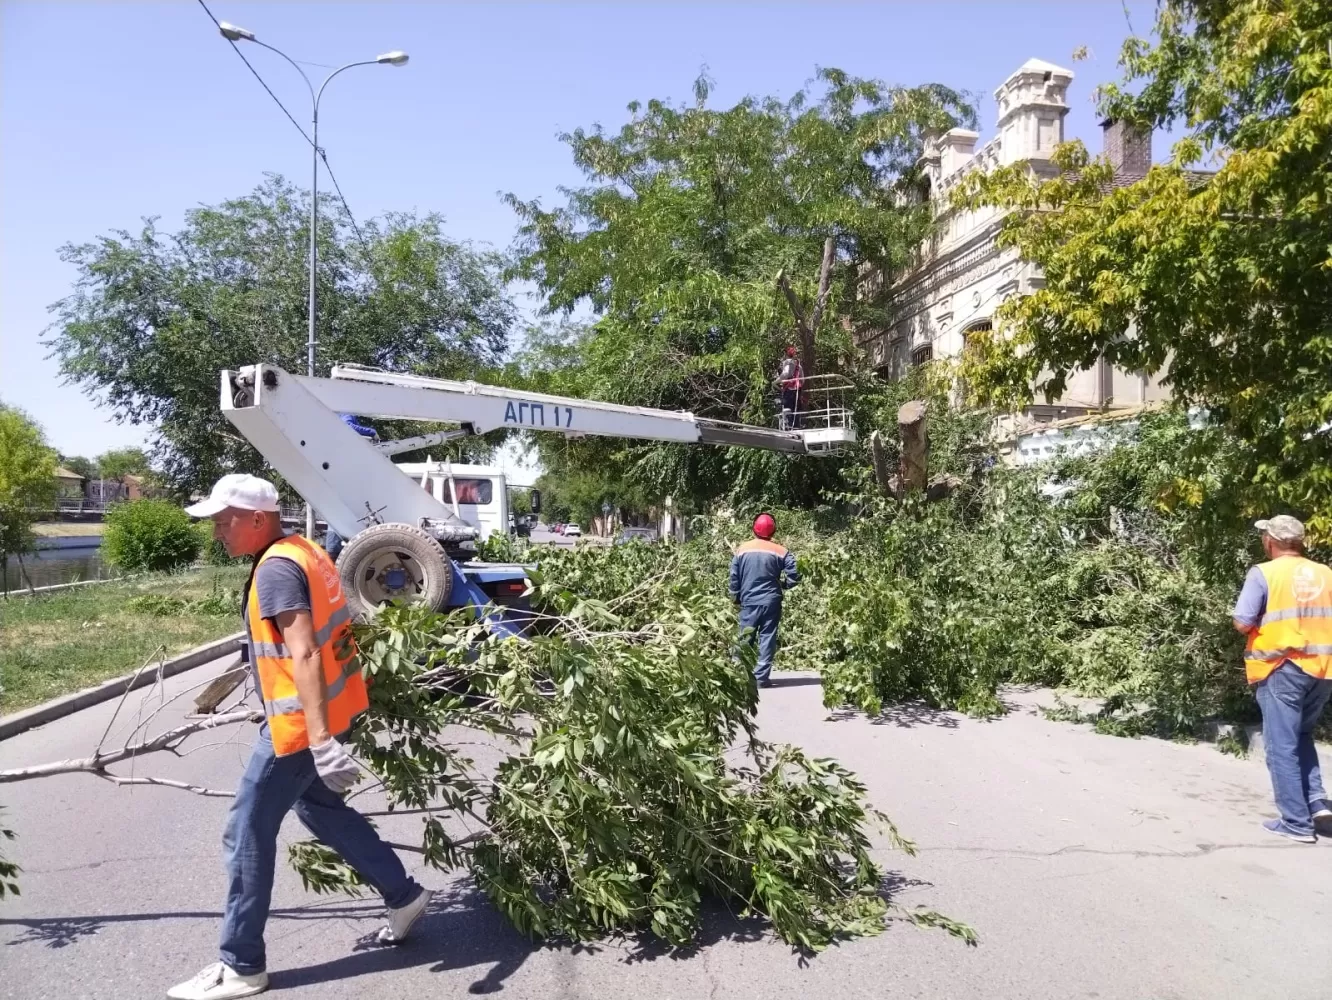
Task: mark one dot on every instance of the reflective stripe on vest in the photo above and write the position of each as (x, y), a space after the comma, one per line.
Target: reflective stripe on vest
(344, 688)
(1297, 623)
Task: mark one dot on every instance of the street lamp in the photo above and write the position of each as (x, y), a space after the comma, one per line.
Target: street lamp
(234, 33)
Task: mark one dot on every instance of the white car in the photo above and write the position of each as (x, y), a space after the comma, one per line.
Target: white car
(572, 531)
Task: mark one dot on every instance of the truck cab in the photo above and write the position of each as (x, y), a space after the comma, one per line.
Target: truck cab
(477, 494)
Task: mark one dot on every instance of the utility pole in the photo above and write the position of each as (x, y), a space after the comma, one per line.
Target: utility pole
(232, 33)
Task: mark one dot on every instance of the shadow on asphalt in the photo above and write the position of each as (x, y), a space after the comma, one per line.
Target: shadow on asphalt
(61, 932)
(905, 715)
(461, 929)
(778, 681)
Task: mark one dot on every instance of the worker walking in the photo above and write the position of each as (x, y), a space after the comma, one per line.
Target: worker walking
(761, 571)
(1285, 609)
(790, 377)
(307, 672)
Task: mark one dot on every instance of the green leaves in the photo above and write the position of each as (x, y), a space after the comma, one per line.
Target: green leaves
(154, 317)
(630, 783)
(1220, 281)
(27, 480)
(676, 242)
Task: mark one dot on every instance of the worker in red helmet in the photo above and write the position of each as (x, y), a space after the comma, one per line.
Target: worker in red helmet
(790, 377)
(761, 572)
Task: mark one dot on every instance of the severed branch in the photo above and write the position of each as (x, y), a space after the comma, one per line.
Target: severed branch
(825, 282)
(185, 786)
(98, 762)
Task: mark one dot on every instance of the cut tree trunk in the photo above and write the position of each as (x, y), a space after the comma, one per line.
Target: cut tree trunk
(915, 445)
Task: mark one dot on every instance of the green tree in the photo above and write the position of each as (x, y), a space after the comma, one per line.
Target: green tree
(1222, 280)
(27, 480)
(121, 462)
(154, 316)
(705, 240)
(79, 465)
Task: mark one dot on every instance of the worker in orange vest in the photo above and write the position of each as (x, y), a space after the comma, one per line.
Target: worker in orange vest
(1285, 610)
(308, 674)
(761, 572)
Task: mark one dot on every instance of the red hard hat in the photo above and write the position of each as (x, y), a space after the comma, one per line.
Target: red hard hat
(765, 526)
(790, 352)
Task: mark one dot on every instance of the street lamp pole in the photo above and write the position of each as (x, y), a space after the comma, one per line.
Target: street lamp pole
(395, 58)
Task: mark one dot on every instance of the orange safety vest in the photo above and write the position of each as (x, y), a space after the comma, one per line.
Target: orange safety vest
(1297, 624)
(343, 685)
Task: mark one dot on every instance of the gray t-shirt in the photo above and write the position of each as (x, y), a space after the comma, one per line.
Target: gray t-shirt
(281, 586)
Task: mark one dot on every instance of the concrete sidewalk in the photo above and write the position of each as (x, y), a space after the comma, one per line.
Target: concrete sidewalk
(1090, 866)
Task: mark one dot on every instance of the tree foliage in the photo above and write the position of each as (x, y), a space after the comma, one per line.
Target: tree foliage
(118, 463)
(620, 805)
(1222, 280)
(676, 243)
(155, 316)
(150, 535)
(27, 480)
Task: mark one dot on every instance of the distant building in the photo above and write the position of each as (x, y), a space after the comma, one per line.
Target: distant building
(69, 485)
(962, 276)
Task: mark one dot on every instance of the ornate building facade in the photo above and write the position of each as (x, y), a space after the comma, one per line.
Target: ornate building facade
(963, 275)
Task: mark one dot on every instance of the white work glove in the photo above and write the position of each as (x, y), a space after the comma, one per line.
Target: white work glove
(336, 768)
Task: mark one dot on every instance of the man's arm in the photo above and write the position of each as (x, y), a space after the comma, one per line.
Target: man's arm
(735, 578)
(792, 573)
(1252, 602)
(307, 670)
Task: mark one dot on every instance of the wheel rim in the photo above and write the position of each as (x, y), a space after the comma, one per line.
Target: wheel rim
(388, 575)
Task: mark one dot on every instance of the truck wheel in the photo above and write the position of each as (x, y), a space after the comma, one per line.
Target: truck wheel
(394, 562)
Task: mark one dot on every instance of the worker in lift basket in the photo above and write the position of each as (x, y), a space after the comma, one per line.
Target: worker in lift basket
(761, 571)
(309, 677)
(790, 377)
(1285, 610)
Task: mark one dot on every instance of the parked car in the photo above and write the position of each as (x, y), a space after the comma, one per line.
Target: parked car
(572, 531)
(638, 534)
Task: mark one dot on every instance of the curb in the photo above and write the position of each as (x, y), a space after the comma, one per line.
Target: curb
(38, 715)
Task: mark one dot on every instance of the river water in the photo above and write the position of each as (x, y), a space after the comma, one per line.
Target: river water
(66, 565)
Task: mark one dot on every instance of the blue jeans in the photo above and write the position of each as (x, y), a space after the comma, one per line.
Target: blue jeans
(1292, 701)
(333, 543)
(272, 785)
(763, 619)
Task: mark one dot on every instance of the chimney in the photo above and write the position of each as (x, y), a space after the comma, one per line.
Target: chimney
(1128, 149)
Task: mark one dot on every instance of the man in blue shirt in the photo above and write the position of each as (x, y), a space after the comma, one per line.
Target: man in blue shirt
(761, 572)
(333, 542)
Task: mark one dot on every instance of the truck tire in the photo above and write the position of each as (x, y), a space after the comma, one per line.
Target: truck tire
(388, 562)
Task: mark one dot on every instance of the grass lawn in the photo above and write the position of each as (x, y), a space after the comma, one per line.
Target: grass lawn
(54, 644)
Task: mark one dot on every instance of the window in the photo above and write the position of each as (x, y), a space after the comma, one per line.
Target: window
(922, 354)
(470, 491)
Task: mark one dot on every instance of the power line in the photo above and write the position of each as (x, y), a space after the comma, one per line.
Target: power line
(236, 47)
(319, 150)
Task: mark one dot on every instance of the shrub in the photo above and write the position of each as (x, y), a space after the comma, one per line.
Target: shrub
(150, 535)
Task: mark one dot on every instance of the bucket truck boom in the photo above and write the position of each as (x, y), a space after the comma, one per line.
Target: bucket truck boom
(401, 536)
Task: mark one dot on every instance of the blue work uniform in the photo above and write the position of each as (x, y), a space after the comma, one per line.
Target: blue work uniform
(761, 572)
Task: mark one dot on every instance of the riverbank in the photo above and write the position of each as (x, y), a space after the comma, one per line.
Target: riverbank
(60, 642)
(68, 529)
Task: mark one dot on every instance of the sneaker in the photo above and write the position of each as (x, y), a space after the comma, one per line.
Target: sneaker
(1322, 819)
(400, 920)
(1281, 830)
(219, 982)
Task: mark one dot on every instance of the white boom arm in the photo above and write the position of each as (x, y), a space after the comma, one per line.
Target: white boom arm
(294, 422)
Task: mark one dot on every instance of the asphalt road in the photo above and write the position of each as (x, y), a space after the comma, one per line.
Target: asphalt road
(1091, 867)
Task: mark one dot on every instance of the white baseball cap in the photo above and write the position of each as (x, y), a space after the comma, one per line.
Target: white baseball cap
(239, 490)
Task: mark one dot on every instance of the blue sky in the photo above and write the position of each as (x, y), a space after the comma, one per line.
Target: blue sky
(110, 112)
